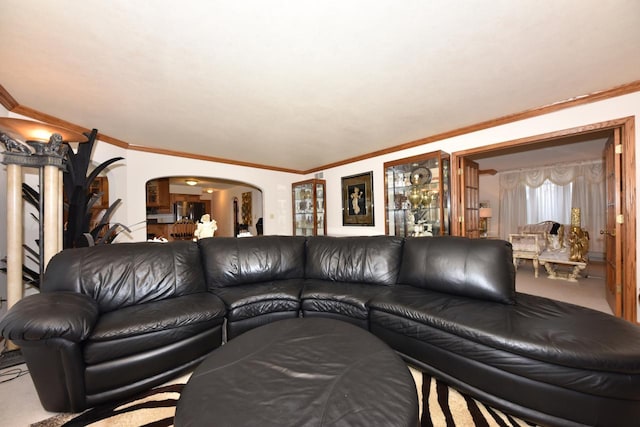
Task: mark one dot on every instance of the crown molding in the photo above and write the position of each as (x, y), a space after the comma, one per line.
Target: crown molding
(12, 105)
(209, 158)
(7, 100)
(533, 112)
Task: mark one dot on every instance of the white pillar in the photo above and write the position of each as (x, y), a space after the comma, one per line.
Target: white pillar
(60, 210)
(15, 210)
(50, 221)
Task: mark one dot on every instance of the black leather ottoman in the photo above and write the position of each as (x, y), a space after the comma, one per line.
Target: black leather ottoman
(301, 372)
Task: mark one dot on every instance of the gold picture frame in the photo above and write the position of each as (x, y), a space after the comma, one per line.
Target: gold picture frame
(357, 199)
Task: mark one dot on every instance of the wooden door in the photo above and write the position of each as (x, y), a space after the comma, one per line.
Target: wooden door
(613, 233)
(469, 202)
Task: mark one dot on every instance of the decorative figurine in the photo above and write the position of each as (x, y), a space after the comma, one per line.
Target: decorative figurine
(206, 227)
(579, 244)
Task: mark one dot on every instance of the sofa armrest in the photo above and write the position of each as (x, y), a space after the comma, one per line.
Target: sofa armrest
(66, 315)
(533, 243)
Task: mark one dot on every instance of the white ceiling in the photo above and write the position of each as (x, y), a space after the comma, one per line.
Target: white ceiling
(299, 84)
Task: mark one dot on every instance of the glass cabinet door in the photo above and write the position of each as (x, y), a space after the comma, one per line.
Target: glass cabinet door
(417, 197)
(309, 208)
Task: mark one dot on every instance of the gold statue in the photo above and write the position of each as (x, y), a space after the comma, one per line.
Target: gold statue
(579, 244)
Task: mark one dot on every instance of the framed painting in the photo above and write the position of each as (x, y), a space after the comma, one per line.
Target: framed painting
(246, 208)
(357, 199)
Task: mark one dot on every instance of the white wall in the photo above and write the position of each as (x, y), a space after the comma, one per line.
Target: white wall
(141, 167)
(223, 209)
(127, 179)
(490, 193)
(596, 112)
(614, 108)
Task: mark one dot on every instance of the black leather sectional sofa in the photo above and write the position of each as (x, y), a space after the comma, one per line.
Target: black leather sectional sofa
(116, 319)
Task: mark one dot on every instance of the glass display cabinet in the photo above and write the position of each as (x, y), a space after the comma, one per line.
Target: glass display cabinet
(417, 196)
(309, 217)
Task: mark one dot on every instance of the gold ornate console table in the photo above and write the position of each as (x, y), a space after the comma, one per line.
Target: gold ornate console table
(551, 260)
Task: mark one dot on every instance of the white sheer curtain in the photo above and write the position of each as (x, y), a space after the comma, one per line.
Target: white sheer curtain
(549, 202)
(579, 185)
(589, 196)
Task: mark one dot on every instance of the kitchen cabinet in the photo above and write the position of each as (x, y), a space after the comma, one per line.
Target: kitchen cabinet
(158, 193)
(185, 198)
(100, 185)
(417, 195)
(309, 216)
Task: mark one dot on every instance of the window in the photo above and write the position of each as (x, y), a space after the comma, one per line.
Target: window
(549, 202)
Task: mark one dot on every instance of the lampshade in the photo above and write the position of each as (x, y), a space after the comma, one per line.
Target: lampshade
(485, 213)
(191, 182)
(28, 130)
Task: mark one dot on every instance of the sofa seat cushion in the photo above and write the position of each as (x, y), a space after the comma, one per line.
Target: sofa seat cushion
(347, 299)
(256, 299)
(142, 327)
(537, 338)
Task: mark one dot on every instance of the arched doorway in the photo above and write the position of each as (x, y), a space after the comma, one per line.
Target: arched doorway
(170, 197)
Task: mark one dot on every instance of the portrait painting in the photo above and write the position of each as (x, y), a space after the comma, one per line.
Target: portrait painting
(357, 199)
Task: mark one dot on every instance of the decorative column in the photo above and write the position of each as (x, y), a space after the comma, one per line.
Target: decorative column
(14, 234)
(51, 220)
(48, 158)
(575, 217)
(578, 238)
(61, 209)
(33, 145)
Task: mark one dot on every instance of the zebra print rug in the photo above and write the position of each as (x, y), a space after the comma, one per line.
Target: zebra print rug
(440, 405)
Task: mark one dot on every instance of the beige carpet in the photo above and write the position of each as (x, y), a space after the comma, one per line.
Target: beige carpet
(588, 291)
(446, 407)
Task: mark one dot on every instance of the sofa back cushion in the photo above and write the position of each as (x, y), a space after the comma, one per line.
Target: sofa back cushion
(475, 268)
(230, 261)
(123, 274)
(371, 259)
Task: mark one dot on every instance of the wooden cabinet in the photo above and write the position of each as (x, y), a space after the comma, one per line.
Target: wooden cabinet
(185, 198)
(100, 185)
(158, 193)
(309, 216)
(417, 195)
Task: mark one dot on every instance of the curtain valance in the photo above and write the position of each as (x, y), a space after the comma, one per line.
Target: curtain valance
(560, 174)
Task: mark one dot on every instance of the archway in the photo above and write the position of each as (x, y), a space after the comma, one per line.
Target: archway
(186, 195)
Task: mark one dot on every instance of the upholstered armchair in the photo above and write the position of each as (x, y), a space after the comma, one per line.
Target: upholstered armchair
(532, 239)
(527, 246)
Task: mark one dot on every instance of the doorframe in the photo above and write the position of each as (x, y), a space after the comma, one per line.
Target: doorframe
(627, 131)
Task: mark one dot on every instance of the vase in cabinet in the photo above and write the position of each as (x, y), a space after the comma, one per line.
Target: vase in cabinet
(417, 195)
(309, 216)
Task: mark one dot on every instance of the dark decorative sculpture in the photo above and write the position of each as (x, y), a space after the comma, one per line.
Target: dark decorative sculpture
(14, 146)
(77, 186)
